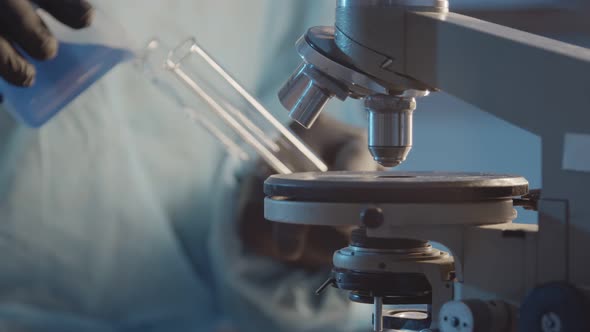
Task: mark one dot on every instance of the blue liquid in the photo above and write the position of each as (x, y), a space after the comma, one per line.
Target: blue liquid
(60, 80)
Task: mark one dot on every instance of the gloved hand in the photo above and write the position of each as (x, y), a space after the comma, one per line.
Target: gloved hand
(21, 26)
(341, 147)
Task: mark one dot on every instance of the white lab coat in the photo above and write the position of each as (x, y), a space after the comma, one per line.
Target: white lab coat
(116, 215)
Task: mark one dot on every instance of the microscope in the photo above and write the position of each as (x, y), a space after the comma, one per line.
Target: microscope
(494, 275)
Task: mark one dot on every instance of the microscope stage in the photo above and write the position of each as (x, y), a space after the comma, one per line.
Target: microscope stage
(394, 187)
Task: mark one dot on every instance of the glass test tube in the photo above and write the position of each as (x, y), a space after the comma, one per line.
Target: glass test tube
(214, 99)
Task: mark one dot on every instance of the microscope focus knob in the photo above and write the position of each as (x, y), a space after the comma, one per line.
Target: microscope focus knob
(554, 307)
(475, 316)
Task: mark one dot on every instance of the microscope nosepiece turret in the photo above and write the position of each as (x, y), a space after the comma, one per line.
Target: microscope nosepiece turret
(326, 73)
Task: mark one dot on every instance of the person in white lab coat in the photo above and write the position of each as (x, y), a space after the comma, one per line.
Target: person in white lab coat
(113, 219)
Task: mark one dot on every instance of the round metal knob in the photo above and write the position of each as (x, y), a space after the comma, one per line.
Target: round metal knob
(372, 217)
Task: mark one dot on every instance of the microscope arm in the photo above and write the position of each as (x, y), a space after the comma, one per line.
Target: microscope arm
(533, 82)
(539, 84)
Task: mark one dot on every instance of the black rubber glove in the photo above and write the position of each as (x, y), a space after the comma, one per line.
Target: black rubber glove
(21, 26)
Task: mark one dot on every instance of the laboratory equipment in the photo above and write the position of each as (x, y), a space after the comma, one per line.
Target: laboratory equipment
(215, 100)
(83, 58)
(326, 74)
(500, 276)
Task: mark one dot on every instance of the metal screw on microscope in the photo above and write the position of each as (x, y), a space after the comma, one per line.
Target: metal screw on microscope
(550, 322)
(372, 217)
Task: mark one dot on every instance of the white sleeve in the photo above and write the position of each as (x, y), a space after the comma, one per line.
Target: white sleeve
(22, 318)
